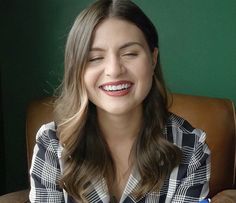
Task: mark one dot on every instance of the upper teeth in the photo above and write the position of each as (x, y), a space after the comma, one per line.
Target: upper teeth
(116, 87)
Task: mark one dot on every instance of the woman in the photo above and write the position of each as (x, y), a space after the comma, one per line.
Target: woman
(113, 139)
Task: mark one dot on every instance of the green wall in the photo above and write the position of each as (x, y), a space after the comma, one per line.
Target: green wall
(197, 46)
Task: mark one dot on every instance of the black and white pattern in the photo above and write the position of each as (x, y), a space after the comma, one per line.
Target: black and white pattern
(189, 182)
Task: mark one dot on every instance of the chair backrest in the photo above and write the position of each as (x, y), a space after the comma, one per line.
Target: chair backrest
(215, 116)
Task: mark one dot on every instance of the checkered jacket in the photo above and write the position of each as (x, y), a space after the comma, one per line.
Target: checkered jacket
(189, 182)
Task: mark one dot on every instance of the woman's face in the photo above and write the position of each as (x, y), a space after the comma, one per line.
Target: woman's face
(120, 67)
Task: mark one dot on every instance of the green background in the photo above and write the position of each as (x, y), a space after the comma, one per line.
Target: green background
(197, 47)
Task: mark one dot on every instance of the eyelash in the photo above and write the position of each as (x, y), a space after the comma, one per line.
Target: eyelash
(95, 59)
(131, 54)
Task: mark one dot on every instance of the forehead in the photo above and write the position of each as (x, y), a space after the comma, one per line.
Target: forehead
(112, 31)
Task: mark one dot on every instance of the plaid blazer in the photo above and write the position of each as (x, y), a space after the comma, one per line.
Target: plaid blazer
(189, 182)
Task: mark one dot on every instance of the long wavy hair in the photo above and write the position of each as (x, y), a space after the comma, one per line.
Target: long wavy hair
(86, 156)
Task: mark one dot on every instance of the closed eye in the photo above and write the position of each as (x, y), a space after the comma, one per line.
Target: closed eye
(95, 59)
(131, 54)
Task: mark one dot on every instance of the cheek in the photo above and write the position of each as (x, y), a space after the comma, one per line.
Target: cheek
(91, 78)
(145, 71)
(146, 76)
(86, 79)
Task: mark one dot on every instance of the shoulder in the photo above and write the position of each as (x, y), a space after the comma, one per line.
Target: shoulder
(47, 150)
(181, 133)
(47, 134)
(47, 138)
(190, 180)
(45, 171)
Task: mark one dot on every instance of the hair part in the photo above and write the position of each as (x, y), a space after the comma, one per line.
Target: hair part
(85, 150)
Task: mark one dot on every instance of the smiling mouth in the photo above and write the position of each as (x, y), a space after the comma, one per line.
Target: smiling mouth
(115, 88)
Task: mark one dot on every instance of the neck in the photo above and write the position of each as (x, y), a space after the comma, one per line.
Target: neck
(120, 133)
(120, 128)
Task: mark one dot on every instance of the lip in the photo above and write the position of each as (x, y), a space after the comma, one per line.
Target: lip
(113, 88)
(116, 83)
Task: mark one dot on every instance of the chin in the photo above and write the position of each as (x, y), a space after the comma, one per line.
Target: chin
(121, 110)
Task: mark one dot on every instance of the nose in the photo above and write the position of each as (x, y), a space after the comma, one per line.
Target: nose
(114, 67)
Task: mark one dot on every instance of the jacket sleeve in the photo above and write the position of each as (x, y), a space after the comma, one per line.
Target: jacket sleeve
(45, 169)
(194, 187)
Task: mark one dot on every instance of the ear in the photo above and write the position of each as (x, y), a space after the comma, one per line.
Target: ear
(154, 57)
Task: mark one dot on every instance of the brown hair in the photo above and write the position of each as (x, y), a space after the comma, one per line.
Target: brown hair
(86, 155)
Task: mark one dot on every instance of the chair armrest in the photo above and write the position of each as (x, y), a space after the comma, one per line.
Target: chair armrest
(21, 196)
(226, 196)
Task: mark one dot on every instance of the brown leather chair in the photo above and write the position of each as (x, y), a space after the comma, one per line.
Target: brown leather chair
(215, 116)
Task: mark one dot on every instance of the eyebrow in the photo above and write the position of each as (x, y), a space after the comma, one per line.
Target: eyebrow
(128, 44)
(124, 46)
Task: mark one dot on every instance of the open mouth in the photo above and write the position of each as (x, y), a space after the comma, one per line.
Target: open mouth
(120, 88)
(113, 88)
